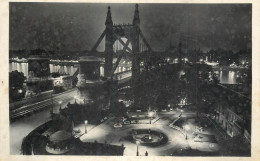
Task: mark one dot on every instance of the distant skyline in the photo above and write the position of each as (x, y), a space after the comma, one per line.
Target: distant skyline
(77, 26)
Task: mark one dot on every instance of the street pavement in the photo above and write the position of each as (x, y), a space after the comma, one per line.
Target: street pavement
(105, 132)
(23, 126)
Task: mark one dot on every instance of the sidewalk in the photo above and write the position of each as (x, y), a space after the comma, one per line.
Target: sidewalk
(89, 127)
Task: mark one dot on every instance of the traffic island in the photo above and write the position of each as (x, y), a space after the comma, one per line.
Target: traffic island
(148, 137)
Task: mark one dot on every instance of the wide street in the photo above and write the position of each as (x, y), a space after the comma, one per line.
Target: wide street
(23, 126)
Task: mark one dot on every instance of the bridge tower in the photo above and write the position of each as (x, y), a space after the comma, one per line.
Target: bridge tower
(90, 86)
(115, 32)
(108, 45)
(133, 47)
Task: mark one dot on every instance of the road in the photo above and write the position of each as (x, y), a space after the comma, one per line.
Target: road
(23, 126)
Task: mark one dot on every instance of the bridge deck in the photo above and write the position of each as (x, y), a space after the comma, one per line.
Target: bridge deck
(122, 81)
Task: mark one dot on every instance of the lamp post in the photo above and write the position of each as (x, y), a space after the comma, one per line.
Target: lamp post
(137, 152)
(150, 114)
(186, 127)
(75, 99)
(186, 135)
(60, 102)
(85, 123)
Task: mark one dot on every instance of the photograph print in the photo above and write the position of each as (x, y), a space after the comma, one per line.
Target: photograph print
(125, 79)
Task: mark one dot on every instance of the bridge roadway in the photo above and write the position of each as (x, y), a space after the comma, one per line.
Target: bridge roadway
(218, 68)
(123, 78)
(37, 106)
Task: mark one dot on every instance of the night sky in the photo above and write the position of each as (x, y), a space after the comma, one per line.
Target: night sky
(77, 26)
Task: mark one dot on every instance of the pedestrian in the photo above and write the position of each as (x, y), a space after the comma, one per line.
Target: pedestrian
(146, 153)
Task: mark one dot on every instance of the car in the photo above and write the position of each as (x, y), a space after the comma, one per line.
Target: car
(126, 122)
(77, 130)
(118, 125)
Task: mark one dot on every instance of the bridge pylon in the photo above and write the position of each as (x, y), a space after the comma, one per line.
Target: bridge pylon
(135, 44)
(133, 47)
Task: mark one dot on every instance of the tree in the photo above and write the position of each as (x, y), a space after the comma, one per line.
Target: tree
(215, 78)
(55, 74)
(118, 109)
(197, 82)
(161, 101)
(16, 80)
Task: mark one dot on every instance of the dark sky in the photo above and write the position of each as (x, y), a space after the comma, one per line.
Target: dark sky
(77, 26)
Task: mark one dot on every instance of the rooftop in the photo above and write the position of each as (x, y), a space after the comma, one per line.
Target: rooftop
(60, 136)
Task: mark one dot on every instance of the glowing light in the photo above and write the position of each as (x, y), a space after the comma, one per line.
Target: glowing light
(60, 102)
(150, 114)
(20, 91)
(187, 127)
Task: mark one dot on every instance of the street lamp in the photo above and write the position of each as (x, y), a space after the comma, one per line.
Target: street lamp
(137, 143)
(150, 114)
(186, 127)
(20, 91)
(185, 132)
(85, 123)
(75, 99)
(60, 102)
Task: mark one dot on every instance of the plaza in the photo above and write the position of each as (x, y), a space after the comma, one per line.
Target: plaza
(176, 143)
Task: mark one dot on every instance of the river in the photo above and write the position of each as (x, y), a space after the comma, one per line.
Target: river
(225, 76)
